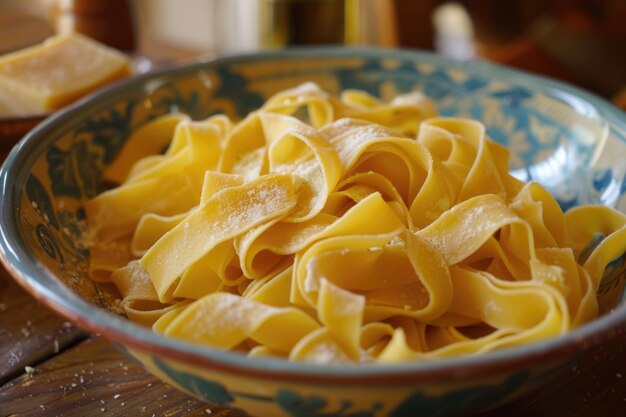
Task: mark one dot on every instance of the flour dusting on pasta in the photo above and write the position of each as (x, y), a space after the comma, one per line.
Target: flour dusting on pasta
(343, 229)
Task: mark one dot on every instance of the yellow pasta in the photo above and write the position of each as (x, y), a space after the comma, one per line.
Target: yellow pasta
(346, 229)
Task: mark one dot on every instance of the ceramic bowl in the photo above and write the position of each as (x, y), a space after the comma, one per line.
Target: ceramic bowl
(572, 142)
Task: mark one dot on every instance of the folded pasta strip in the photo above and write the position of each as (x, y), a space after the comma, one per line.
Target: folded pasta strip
(345, 229)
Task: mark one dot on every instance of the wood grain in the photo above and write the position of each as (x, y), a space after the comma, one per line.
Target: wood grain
(595, 386)
(29, 333)
(94, 378)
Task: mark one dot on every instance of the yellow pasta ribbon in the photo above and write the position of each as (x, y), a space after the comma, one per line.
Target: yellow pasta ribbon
(223, 216)
(225, 320)
(345, 230)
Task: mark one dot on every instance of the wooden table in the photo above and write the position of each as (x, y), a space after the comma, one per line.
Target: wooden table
(77, 374)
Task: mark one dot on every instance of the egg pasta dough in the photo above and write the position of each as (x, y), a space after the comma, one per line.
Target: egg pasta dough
(343, 229)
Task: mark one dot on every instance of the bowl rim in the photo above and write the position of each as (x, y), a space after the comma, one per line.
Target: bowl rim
(44, 286)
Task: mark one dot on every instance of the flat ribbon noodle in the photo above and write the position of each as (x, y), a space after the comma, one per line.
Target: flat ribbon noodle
(225, 320)
(223, 216)
(345, 229)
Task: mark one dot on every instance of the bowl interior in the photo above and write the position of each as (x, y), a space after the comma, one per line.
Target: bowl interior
(568, 140)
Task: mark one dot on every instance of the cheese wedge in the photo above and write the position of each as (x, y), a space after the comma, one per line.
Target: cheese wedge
(46, 77)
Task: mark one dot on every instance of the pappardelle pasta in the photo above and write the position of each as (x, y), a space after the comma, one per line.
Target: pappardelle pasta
(342, 229)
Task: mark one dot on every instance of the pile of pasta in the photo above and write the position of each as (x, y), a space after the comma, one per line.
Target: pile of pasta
(342, 229)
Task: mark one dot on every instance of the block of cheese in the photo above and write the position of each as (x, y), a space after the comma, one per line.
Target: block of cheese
(46, 77)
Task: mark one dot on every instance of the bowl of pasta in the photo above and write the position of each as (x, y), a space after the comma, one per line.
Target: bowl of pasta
(330, 232)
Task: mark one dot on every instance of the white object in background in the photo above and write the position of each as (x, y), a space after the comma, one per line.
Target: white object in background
(188, 24)
(236, 26)
(454, 32)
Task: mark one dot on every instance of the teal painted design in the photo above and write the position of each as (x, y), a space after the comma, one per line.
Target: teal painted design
(366, 78)
(234, 87)
(75, 173)
(49, 244)
(451, 403)
(315, 406)
(464, 400)
(211, 391)
(585, 253)
(614, 276)
(109, 130)
(289, 401)
(615, 271)
(173, 101)
(62, 172)
(59, 234)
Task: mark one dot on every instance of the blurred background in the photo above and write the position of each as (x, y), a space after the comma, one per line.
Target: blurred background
(579, 41)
